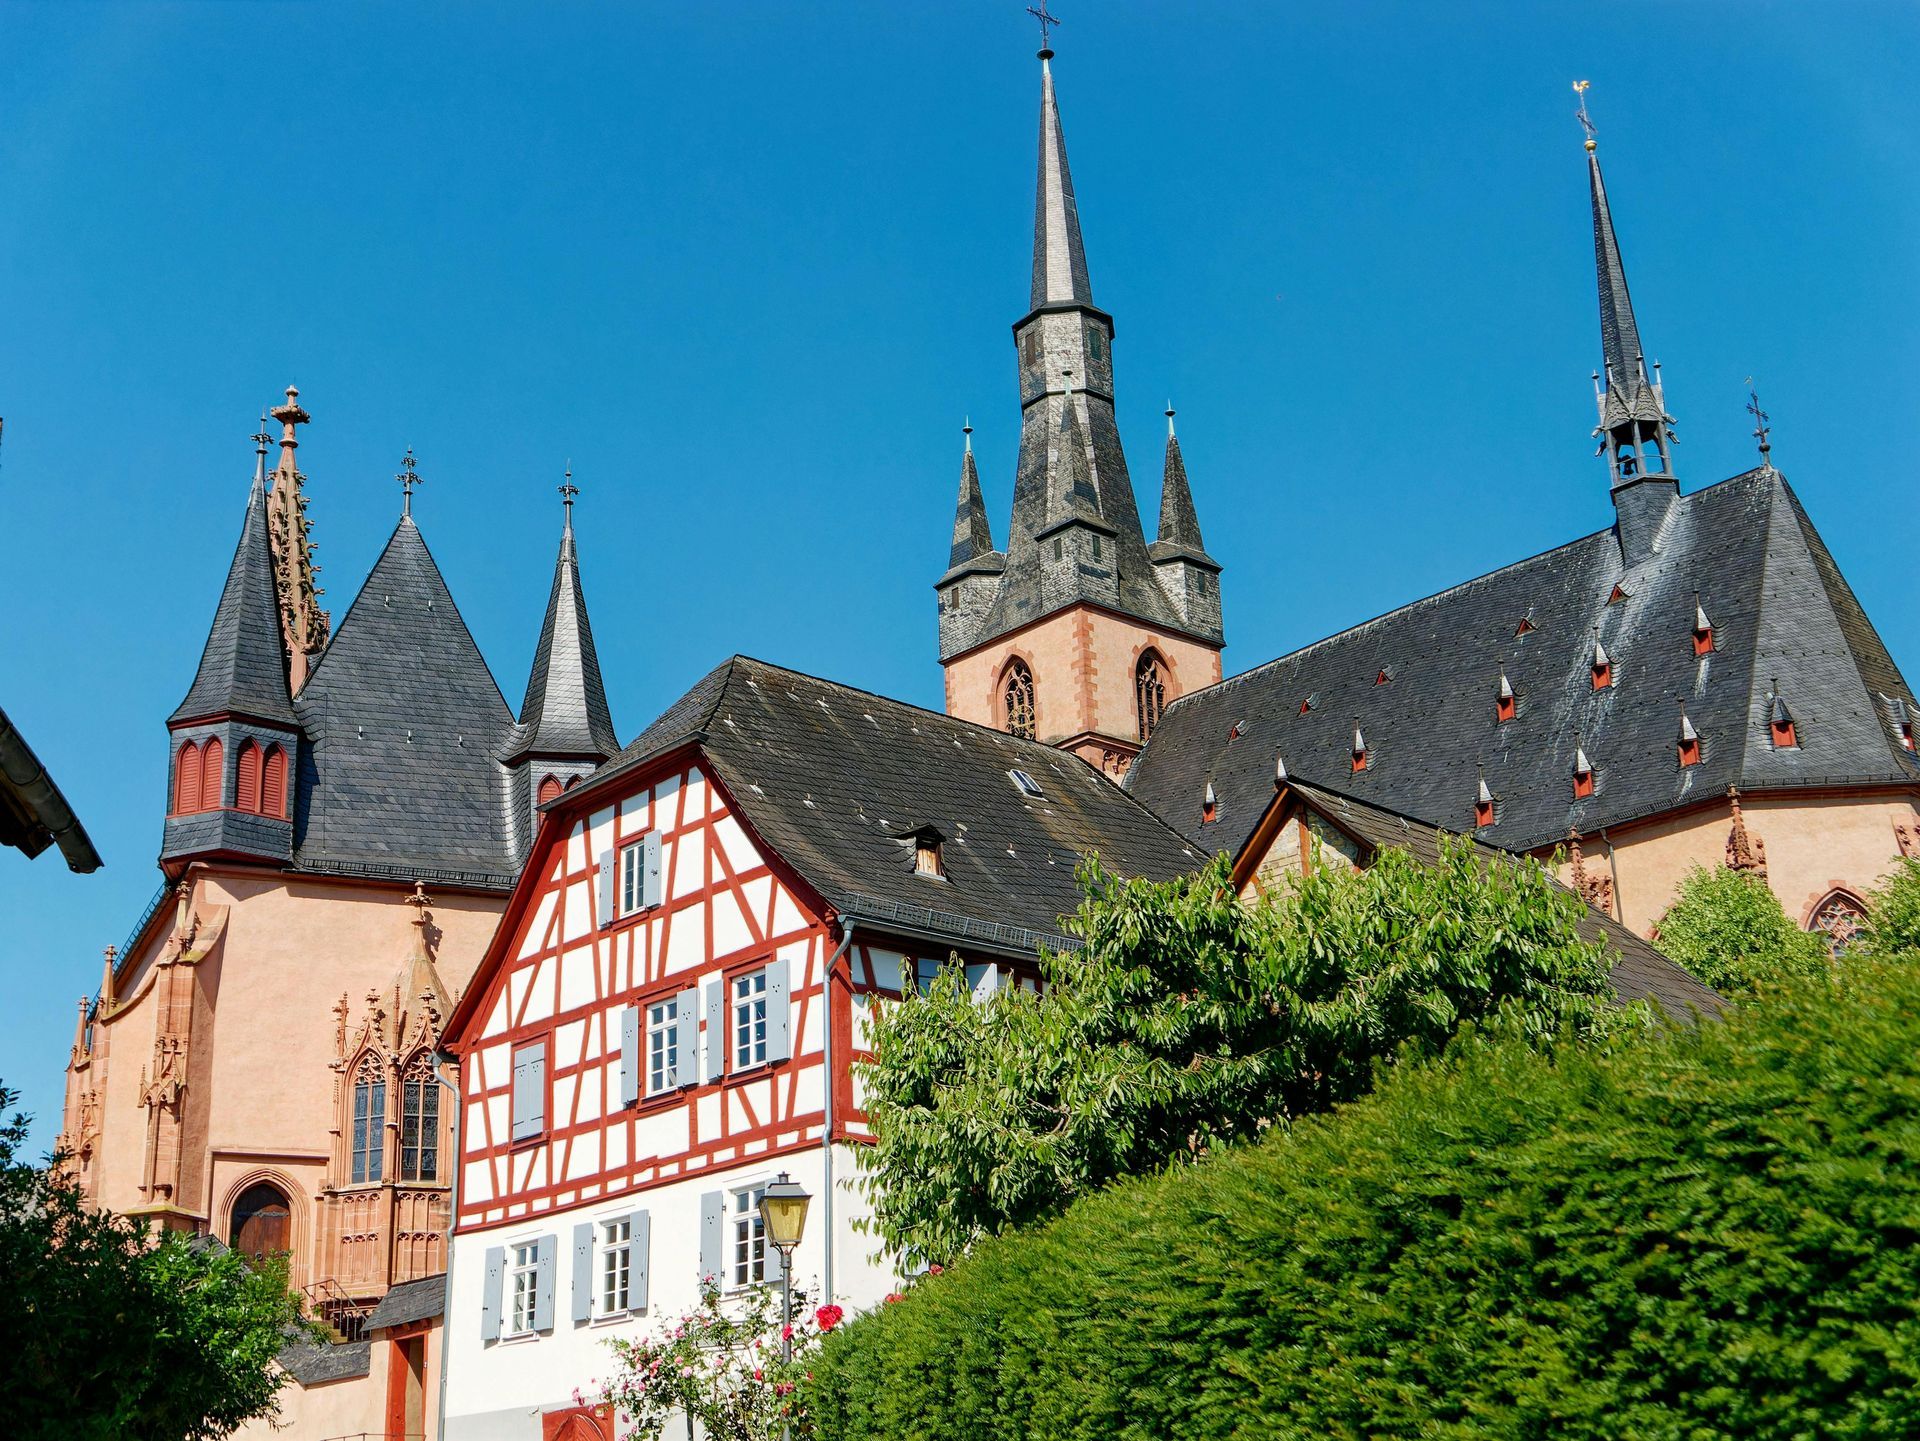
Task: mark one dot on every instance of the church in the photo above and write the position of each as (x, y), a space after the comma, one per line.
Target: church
(652, 966)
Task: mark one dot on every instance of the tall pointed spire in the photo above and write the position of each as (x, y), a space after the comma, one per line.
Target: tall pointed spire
(972, 532)
(1179, 524)
(1059, 255)
(1635, 431)
(565, 711)
(243, 666)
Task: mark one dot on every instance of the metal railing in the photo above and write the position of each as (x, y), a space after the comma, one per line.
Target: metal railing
(126, 946)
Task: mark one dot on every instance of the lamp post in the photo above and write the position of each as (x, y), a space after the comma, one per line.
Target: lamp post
(783, 1218)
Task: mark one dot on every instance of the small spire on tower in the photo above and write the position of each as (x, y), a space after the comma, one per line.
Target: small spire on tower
(568, 490)
(289, 416)
(1761, 428)
(972, 531)
(408, 477)
(260, 439)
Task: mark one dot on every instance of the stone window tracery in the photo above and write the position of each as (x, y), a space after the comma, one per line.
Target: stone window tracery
(1149, 693)
(420, 1121)
(1017, 697)
(367, 1153)
(1840, 916)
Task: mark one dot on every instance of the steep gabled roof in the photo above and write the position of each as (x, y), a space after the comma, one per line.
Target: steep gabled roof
(565, 710)
(1640, 971)
(839, 780)
(243, 669)
(1779, 608)
(408, 729)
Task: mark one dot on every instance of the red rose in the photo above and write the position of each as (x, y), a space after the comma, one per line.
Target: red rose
(827, 1317)
(893, 1296)
(936, 1269)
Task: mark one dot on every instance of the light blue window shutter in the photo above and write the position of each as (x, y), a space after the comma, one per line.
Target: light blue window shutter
(641, 1231)
(713, 1221)
(717, 1028)
(490, 1292)
(583, 1271)
(607, 860)
(779, 1013)
(629, 1055)
(529, 1092)
(686, 1020)
(652, 892)
(544, 1250)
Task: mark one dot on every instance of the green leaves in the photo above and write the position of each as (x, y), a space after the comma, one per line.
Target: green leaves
(1727, 927)
(1688, 1232)
(1194, 1018)
(113, 1331)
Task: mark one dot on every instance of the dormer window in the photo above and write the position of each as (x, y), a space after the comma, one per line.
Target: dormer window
(1702, 629)
(1209, 805)
(1525, 627)
(1483, 806)
(1025, 784)
(1903, 723)
(1688, 743)
(1504, 701)
(928, 859)
(1360, 757)
(1602, 668)
(1582, 774)
(1618, 594)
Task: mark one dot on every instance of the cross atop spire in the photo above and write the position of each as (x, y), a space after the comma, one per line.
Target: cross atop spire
(408, 478)
(1047, 22)
(1761, 428)
(1580, 88)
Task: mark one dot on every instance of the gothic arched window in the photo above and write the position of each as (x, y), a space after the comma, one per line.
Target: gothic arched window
(213, 774)
(549, 788)
(246, 771)
(369, 1135)
(186, 780)
(1149, 693)
(1839, 916)
(1017, 697)
(273, 784)
(419, 1121)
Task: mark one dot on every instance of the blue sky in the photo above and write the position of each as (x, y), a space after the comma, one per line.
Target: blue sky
(748, 266)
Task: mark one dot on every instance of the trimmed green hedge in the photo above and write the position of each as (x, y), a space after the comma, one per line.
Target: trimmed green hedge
(1705, 1232)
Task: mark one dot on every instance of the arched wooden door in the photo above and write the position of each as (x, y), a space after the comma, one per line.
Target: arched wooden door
(262, 1222)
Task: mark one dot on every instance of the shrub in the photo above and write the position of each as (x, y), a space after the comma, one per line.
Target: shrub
(1700, 1232)
(1893, 913)
(1727, 927)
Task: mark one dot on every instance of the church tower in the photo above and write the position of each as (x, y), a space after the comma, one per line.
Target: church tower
(1079, 633)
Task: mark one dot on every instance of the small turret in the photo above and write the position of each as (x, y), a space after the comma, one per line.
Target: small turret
(974, 567)
(1189, 576)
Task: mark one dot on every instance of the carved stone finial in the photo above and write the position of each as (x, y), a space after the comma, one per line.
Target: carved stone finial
(1745, 852)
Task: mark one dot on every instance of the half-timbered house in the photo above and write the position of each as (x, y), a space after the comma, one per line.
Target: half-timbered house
(669, 1014)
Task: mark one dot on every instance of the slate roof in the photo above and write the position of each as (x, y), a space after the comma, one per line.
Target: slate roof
(1179, 523)
(565, 711)
(837, 781)
(1779, 607)
(243, 668)
(33, 813)
(1640, 971)
(417, 1300)
(314, 1363)
(407, 731)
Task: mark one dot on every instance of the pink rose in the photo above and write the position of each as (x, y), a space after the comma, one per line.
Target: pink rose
(827, 1317)
(936, 1270)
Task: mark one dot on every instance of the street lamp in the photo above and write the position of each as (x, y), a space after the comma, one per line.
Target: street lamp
(783, 1217)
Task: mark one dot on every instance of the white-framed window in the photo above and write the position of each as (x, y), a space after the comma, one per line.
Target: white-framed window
(750, 1019)
(663, 1045)
(523, 1287)
(633, 878)
(616, 1266)
(747, 1261)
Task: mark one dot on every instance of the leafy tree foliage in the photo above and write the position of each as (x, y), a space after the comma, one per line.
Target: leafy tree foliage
(1893, 914)
(111, 1331)
(1727, 927)
(1692, 1232)
(1194, 1017)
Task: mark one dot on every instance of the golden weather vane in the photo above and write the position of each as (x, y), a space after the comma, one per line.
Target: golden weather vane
(1580, 88)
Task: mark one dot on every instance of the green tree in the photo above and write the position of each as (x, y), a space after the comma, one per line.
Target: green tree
(1893, 914)
(111, 1331)
(1193, 1017)
(1692, 1232)
(1727, 927)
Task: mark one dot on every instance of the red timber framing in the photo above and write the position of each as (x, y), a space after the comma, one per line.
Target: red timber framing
(555, 974)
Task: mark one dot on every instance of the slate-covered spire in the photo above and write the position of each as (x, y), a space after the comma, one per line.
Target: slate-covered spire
(1635, 431)
(1072, 494)
(565, 712)
(1059, 255)
(972, 532)
(243, 669)
(1179, 523)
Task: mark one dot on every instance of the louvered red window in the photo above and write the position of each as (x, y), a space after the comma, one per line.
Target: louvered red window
(549, 789)
(1690, 752)
(246, 770)
(1582, 784)
(1483, 813)
(186, 780)
(1783, 735)
(273, 784)
(213, 771)
(1703, 641)
(1602, 674)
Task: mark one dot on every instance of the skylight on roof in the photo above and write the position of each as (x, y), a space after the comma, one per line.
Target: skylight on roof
(1025, 783)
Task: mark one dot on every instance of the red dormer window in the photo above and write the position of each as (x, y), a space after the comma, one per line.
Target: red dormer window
(1504, 707)
(1525, 627)
(1906, 734)
(1482, 813)
(1383, 677)
(1359, 751)
(1784, 736)
(1582, 784)
(1703, 641)
(1690, 751)
(1618, 594)
(1602, 674)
